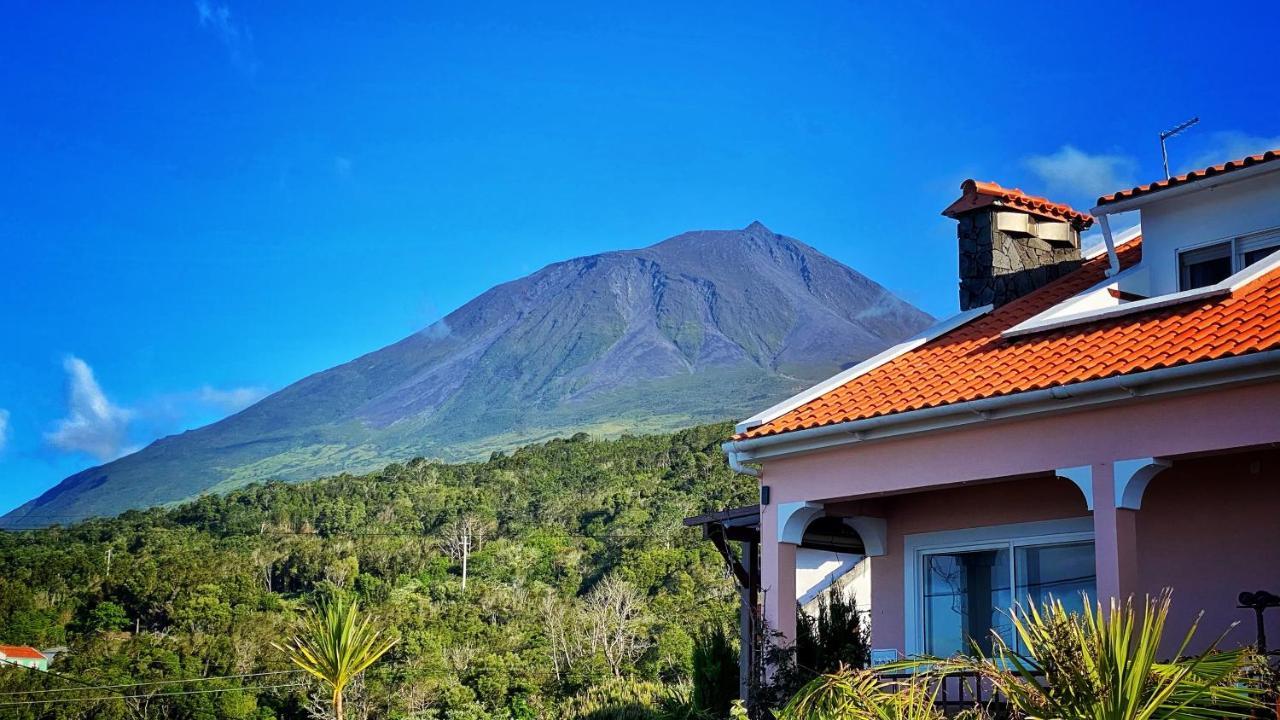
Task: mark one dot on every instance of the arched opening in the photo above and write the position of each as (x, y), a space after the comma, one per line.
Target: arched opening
(833, 534)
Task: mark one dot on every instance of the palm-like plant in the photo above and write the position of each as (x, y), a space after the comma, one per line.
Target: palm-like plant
(1103, 666)
(849, 694)
(336, 644)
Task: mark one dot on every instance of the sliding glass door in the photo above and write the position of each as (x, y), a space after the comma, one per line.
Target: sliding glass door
(967, 592)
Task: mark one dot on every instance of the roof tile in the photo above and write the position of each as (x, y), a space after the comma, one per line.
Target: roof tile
(1192, 176)
(976, 193)
(975, 361)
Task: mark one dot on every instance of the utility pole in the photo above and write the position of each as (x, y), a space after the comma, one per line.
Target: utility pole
(466, 552)
(109, 549)
(458, 543)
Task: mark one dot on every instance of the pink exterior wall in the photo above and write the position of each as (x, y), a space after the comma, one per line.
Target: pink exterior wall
(1210, 528)
(902, 480)
(1040, 498)
(1153, 428)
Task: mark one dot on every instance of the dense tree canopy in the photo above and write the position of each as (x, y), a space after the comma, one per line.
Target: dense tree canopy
(580, 576)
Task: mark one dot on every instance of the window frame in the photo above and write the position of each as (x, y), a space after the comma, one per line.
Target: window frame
(1238, 247)
(991, 537)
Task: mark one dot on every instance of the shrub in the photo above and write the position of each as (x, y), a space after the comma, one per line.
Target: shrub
(715, 671)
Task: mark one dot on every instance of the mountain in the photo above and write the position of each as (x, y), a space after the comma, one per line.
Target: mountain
(703, 326)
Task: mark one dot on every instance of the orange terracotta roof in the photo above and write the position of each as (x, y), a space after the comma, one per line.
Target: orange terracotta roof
(1190, 177)
(974, 361)
(21, 652)
(976, 194)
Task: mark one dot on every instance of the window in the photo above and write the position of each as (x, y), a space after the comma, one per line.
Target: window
(964, 594)
(1203, 267)
(967, 592)
(1211, 264)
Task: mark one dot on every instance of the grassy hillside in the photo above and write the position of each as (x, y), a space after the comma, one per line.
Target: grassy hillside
(202, 589)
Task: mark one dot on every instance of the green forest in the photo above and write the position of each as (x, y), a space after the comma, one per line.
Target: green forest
(552, 581)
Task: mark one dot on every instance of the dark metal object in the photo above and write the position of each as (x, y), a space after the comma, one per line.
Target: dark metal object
(1259, 601)
(959, 692)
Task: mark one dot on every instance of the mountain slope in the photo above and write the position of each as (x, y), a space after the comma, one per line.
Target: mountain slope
(703, 326)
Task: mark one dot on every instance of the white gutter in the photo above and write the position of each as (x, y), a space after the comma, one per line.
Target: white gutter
(735, 463)
(1206, 183)
(1165, 381)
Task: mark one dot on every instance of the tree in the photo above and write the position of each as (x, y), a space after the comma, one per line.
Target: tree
(615, 617)
(108, 616)
(336, 645)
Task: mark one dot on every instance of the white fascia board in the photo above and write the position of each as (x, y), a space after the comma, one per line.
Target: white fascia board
(931, 333)
(1042, 323)
(1199, 376)
(1205, 183)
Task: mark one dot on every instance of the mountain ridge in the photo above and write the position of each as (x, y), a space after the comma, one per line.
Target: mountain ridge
(702, 326)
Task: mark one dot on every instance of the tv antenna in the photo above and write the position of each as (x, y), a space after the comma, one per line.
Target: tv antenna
(1165, 135)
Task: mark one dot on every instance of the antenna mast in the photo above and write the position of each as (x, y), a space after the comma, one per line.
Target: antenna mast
(1168, 134)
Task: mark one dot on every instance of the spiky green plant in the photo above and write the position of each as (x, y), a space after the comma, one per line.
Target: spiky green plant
(335, 645)
(849, 694)
(1099, 665)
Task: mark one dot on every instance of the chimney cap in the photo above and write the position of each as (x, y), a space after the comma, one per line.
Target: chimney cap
(976, 194)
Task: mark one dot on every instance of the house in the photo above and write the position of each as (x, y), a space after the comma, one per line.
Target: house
(1102, 423)
(23, 655)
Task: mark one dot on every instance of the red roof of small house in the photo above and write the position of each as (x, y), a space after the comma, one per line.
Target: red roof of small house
(976, 194)
(1190, 177)
(975, 361)
(21, 652)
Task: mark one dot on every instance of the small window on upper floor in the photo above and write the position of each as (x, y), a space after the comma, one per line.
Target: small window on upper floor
(1204, 266)
(1211, 264)
(1251, 250)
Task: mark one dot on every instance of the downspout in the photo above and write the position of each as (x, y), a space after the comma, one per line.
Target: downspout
(1112, 258)
(735, 459)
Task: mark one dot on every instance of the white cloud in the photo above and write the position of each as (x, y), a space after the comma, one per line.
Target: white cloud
(98, 427)
(235, 36)
(230, 400)
(4, 428)
(1079, 175)
(93, 424)
(1224, 146)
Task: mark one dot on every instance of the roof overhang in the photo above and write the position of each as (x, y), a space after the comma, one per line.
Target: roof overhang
(1205, 183)
(1194, 377)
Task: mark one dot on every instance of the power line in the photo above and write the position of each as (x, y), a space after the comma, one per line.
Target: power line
(101, 698)
(152, 682)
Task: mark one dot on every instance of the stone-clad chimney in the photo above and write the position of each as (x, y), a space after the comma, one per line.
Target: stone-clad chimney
(1011, 243)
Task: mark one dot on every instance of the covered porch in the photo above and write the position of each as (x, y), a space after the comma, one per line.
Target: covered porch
(1111, 502)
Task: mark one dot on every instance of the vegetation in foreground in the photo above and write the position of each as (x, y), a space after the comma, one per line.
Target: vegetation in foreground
(557, 581)
(1094, 665)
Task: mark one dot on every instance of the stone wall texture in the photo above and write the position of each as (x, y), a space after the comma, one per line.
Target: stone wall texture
(997, 267)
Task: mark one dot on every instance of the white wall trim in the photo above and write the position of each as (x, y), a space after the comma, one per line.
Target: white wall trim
(934, 331)
(916, 546)
(1082, 476)
(794, 517)
(873, 531)
(1132, 477)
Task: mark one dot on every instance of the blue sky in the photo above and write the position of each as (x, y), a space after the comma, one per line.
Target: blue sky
(205, 201)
